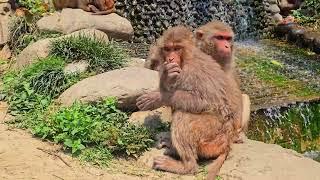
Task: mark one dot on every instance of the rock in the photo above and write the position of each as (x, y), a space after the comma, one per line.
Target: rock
(76, 67)
(254, 160)
(136, 62)
(33, 53)
(5, 8)
(5, 53)
(277, 18)
(3, 111)
(273, 1)
(40, 49)
(295, 35)
(316, 47)
(274, 9)
(70, 20)
(152, 119)
(126, 84)
(4, 29)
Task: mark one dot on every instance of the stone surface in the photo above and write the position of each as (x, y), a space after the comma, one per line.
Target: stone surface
(255, 160)
(40, 49)
(4, 29)
(126, 84)
(274, 8)
(151, 119)
(5, 53)
(70, 20)
(136, 62)
(277, 18)
(76, 67)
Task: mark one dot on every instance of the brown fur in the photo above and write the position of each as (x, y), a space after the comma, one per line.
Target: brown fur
(99, 7)
(204, 42)
(203, 110)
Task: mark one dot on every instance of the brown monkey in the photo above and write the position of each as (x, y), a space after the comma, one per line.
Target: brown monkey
(99, 7)
(204, 105)
(215, 39)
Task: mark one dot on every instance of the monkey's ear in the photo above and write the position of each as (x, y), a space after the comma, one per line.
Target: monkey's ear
(199, 34)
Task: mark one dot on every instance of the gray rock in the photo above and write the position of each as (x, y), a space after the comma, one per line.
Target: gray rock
(40, 49)
(125, 84)
(273, 1)
(76, 67)
(70, 20)
(277, 17)
(274, 8)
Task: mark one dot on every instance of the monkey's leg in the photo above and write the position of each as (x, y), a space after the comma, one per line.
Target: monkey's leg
(93, 8)
(186, 149)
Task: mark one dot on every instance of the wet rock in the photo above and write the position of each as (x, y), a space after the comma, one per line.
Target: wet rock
(295, 34)
(274, 8)
(283, 29)
(125, 84)
(308, 39)
(70, 20)
(40, 49)
(277, 18)
(316, 47)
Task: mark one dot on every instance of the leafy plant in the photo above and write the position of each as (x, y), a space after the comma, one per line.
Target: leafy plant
(34, 6)
(309, 13)
(101, 56)
(35, 86)
(100, 124)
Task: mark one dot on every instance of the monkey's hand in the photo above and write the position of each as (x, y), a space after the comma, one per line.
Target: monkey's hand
(149, 101)
(172, 72)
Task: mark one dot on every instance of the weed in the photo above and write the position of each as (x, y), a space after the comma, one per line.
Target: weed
(99, 124)
(101, 56)
(24, 31)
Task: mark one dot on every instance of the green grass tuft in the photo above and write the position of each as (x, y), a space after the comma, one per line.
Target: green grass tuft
(101, 56)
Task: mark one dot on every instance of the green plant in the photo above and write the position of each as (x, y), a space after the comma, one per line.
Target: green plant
(101, 56)
(97, 156)
(94, 125)
(24, 31)
(34, 6)
(34, 87)
(309, 13)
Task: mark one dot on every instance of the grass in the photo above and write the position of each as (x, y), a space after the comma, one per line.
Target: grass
(270, 71)
(24, 31)
(101, 56)
(296, 127)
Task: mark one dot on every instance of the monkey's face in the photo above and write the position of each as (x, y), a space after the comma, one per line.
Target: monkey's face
(172, 53)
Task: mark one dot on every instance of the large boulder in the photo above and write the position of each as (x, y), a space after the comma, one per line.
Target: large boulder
(125, 84)
(70, 20)
(4, 29)
(41, 48)
(254, 160)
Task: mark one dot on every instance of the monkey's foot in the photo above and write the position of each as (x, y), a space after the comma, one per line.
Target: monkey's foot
(168, 164)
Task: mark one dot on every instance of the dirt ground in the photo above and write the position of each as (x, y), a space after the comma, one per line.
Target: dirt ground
(23, 156)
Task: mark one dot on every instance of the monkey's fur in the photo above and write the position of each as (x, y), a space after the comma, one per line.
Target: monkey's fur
(99, 7)
(203, 107)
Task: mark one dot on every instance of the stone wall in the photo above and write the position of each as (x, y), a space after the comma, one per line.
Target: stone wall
(151, 17)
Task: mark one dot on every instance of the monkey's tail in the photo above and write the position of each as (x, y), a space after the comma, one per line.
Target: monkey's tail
(214, 167)
(104, 12)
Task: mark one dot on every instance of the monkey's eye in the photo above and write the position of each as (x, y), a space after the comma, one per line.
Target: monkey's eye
(219, 37)
(177, 48)
(228, 38)
(166, 49)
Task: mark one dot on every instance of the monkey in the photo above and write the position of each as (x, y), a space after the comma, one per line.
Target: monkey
(224, 56)
(204, 105)
(98, 7)
(216, 39)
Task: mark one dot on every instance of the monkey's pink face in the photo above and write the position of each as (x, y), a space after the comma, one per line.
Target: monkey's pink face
(223, 43)
(172, 52)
